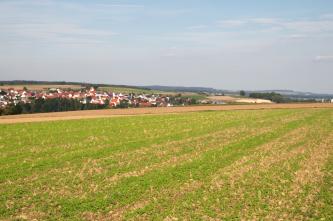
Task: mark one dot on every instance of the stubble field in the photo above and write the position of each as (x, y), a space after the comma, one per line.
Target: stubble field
(211, 165)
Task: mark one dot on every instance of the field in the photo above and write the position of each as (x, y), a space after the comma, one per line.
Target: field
(229, 99)
(127, 90)
(208, 165)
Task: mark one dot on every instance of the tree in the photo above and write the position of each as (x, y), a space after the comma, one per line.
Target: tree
(242, 93)
(26, 107)
(12, 109)
(275, 97)
(37, 105)
(123, 104)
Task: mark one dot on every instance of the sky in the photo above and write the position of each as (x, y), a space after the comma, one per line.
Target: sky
(225, 44)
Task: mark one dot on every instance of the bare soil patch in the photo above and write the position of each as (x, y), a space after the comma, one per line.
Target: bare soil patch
(239, 100)
(70, 115)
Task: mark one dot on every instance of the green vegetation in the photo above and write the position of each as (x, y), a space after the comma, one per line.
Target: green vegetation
(275, 97)
(128, 90)
(273, 164)
(49, 105)
(279, 98)
(195, 96)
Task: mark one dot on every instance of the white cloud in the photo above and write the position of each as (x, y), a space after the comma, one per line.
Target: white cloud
(324, 58)
(323, 24)
(232, 23)
(264, 21)
(196, 27)
(327, 16)
(56, 32)
(250, 21)
(307, 26)
(39, 20)
(296, 36)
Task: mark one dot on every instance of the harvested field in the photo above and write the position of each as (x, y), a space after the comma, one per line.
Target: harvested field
(229, 99)
(70, 115)
(273, 164)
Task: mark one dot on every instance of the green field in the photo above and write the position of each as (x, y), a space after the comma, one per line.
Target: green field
(128, 90)
(213, 165)
(137, 90)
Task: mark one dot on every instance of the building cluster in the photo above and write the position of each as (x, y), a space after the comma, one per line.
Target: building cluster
(92, 96)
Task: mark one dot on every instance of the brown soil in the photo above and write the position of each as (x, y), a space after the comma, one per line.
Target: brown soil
(146, 111)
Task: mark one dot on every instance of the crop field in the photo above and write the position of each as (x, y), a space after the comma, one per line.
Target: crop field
(138, 90)
(209, 165)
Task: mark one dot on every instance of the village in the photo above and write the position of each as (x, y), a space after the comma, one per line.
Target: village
(93, 96)
(21, 100)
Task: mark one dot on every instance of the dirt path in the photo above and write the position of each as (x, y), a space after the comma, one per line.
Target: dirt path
(70, 115)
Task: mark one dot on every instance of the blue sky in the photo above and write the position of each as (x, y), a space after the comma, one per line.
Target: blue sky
(252, 44)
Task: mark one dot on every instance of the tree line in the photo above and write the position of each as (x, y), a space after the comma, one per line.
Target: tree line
(41, 105)
(278, 98)
(274, 97)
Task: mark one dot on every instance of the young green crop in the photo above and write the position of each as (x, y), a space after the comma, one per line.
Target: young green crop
(202, 165)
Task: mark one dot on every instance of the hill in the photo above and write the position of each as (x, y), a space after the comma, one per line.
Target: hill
(287, 93)
(75, 85)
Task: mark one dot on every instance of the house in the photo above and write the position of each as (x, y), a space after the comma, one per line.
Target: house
(114, 102)
(217, 102)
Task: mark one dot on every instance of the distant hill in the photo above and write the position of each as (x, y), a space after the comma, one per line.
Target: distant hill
(83, 84)
(296, 94)
(186, 89)
(286, 93)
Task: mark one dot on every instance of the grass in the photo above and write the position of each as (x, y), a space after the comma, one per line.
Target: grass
(263, 164)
